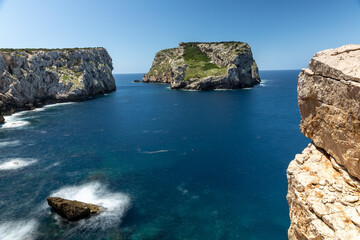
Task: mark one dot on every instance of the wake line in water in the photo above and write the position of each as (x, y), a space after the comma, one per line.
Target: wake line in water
(9, 143)
(16, 163)
(153, 152)
(116, 205)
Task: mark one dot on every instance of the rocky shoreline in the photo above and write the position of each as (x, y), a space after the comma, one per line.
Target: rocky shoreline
(205, 66)
(31, 78)
(323, 181)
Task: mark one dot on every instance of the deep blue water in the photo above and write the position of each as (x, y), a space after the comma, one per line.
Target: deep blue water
(167, 164)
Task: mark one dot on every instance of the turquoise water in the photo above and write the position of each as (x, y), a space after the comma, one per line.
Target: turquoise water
(166, 164)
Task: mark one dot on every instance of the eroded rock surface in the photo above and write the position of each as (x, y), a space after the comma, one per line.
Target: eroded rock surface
(205, 66)
(323, 190)
(323, 198)
(31, 77)
(329, 102)
(72, 210)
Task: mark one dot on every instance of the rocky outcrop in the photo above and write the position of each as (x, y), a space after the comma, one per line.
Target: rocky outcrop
(323, 190)
(32, 77)
(72, 210)
(329, 102)
(323, 198)
(205, 66)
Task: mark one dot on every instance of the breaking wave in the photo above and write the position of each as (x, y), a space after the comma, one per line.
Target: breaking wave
(115, 203)
(18, 230)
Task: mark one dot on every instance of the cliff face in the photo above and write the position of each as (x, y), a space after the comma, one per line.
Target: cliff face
(324, 186)
(32, 77)
(205, 66)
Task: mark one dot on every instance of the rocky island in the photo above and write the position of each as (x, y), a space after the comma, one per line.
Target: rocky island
(32, 77)
(205, 66)
(323, 181)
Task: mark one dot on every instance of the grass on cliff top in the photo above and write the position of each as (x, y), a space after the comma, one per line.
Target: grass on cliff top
(163, 67)
(199, 63)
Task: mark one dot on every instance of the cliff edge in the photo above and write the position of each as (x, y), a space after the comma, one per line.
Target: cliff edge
(205, 66)
(31, 77)
(323, 181)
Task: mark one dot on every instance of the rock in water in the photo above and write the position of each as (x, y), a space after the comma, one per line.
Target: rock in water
(2, 119)
(323, 181)
(205, 66)
(31, 77)
(72, 210)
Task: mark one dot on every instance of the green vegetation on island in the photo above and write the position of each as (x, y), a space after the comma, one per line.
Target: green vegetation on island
(199, 63)
(205, 65)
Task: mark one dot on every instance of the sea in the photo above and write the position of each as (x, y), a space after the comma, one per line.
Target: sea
(166, 164)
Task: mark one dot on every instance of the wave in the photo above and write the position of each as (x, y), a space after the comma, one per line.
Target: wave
(13, 123)
(16, 163)
(18, 120)
(116, 205)
(18, 230)
(9, 143)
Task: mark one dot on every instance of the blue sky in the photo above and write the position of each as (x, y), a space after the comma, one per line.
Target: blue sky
(283, 34)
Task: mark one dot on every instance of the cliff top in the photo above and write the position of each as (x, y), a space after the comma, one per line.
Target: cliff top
(31, 50)
(340, 63)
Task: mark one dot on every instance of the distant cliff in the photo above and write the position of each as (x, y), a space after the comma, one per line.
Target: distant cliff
(323, 181)
(32, 77)
(205, 66)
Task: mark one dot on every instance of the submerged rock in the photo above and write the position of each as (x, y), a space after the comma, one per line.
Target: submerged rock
(205, 66)
(73, 210)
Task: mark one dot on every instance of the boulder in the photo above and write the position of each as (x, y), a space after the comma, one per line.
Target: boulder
(72, 210)
(136, 81)
(2, 119)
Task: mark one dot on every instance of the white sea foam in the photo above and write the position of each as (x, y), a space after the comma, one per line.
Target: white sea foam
(16, 163)
(189, 90)
(57, 104)
(18, 230)
(223, 89)
(153, 152)
(12, 122)
(9, 143)
(116, 204)
(18, 119)
(264, 82)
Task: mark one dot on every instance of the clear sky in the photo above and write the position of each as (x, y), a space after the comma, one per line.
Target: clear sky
(283, 34)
